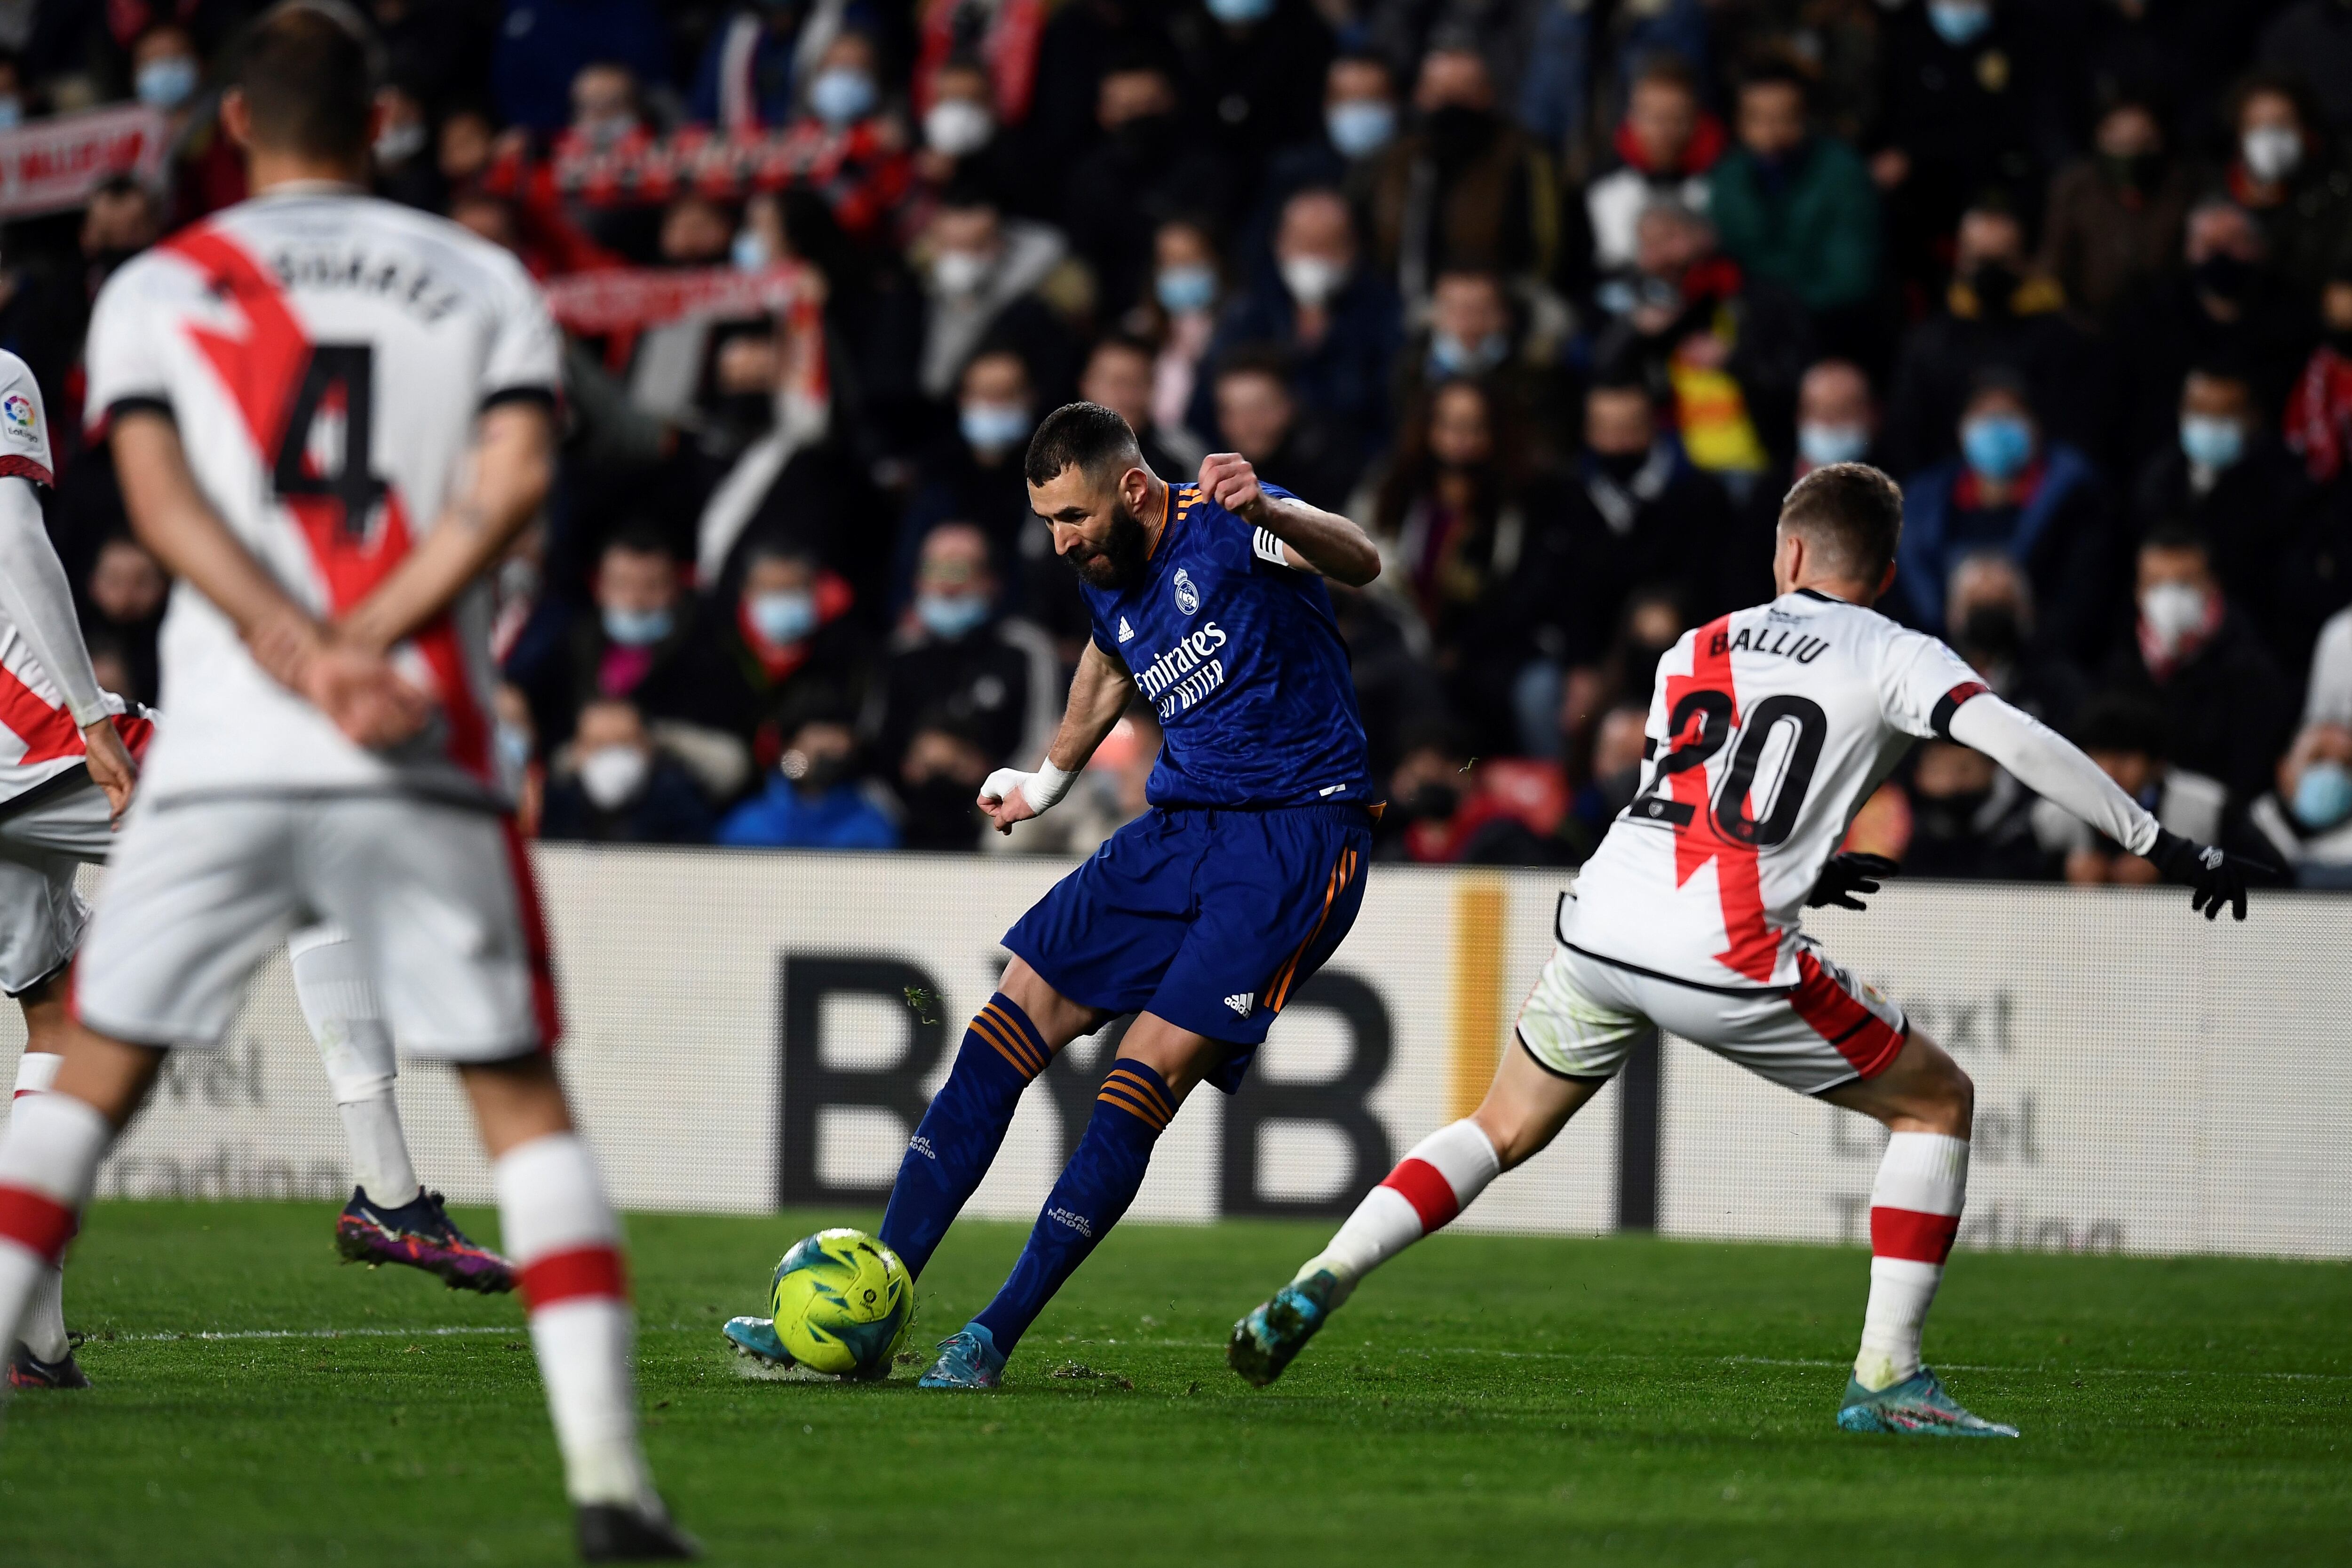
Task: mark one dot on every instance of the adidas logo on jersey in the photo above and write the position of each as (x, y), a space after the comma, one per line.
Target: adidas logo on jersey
(1242, 1004)
(1126, 632)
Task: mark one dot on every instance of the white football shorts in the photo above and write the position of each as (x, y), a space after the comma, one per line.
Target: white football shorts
(1828, 1029)
(438, 899)
(45, 838)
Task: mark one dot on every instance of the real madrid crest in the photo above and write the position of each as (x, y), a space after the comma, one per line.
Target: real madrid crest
(1188, 597)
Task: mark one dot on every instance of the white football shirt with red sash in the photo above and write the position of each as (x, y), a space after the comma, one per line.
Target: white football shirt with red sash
(325, 355)
(1769, 728)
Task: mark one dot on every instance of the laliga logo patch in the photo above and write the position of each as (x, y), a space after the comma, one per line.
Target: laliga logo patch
(1188, 597)
(18, 410)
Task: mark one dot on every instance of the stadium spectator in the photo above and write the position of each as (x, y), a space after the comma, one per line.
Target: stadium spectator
(1361, 119)
(814, 798)
(1439, 814)
(1188, 284)
(2313, 39)
(1257, 416)
(1969, 819)
(405, 171)
(1337, 322)
(2307, 822)
(2328, 698)
(939, 778)
(1990, 621)
(2228, 710)
(962, 144)
(982, 274)
(760, 56)
(1723, 351)
(2232, 480)
(612, 785)
(2042, 503)
(792, 644)
(1120, 375)
(1145, 170)
(1997, 314)
(2127, 735)
(1479, 549)
(542, 44)
(1837, 417)
(639, 627)
(2114, 217)
(1794, 206)
(959, 660)
(125, 596)
(1465, 188)
(2287, 173)
(1475, 329)
(1665, 146)
(1253, 57)
(2319, 409)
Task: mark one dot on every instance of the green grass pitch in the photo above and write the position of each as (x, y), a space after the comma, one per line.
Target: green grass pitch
(1485, 1399)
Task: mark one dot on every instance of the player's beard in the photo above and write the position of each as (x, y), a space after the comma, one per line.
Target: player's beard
(1118, 563)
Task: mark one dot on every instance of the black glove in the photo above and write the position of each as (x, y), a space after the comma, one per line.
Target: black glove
(2215, 876)
(1847, 875)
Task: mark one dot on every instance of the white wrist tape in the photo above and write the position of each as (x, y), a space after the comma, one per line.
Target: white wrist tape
(1043, 789)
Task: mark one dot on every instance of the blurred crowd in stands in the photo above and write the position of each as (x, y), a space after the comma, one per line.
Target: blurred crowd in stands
(1555, 297)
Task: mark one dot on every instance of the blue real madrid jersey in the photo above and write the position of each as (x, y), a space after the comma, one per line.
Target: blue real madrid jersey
(1238, 653)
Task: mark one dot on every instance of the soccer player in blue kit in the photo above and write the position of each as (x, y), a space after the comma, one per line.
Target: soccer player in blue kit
(1204, 915)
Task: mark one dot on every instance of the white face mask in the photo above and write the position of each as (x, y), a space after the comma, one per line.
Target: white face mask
(400, 143)
(611, 776)
(2173, 611)
(959, 273)
(2272, 151)
(1313, 279)
(956, 126)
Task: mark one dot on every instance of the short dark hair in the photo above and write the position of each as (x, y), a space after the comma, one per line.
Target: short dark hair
(2177, 532)
(308, 78)
(1084, 436)
(1851, 509)
(1771, 69)
(1269, 360)
(2122, 722)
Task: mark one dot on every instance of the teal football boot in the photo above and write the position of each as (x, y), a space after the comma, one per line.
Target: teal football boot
(968, 1359)
(1916, 1406)
(1271, 1337)
(756, 1337)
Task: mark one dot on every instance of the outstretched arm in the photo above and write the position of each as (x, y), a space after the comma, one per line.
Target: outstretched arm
(2053, 768)
(353, 687)
(1099, 695)
(39, 601)
(1313, 539)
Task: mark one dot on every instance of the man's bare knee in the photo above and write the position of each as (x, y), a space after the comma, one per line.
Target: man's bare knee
(1056, 1016)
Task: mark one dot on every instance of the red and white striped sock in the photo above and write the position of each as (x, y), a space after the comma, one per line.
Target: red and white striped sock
(48, 1162)
(42, 1327)
(1915, 1211)
(1428, 1187)
(560, 1229)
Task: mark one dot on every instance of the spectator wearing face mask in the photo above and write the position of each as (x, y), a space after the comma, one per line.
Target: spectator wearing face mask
(2233, 480)
(1796, 207)
(789, 644)
(974, 476)
(2114, 218)
(1257, 416)
(612, 786)
(2129, 737)
(2226, 305)
(1995, 313)
(406, 169)
(1638, 515)
(938, 782)
(1837, 417)
(1615, 775)
(1145, 169)
(982, 277)
(2227, 707)
(1722, 351)
(2306, 822)
(962, 143)
(1971, 820)
(845, 144)
(957, 657)
(1439, 816)
(1664, 147)
(1335, 320)
(208, 171)
(1465, 187)
(760, 56)
(123, 601)
(814, 798)
(1178, 314)
(2041, 503)
(637, 627)
(1361, 118)
(2289, 176)
(1477, 331)
(1479, 550)
(1990, 621)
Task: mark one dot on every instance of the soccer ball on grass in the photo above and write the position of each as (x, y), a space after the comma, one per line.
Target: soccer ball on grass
(843, 1303)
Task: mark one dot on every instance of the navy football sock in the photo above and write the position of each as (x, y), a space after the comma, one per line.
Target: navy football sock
(1101, 1179)
(1001, 1053)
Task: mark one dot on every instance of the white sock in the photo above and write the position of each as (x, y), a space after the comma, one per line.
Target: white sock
(1915, 1211)
(43, 1330)
(560, 1229)
(338, 1002)
(48, 1162)
(1429, 1186)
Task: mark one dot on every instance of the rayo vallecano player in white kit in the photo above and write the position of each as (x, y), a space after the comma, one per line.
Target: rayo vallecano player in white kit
(330, 416)
(69, 755)
(1767, 730)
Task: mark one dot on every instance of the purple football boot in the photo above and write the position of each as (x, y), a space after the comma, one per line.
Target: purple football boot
(419, 1234)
